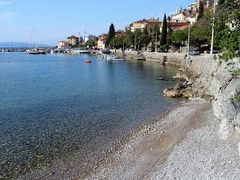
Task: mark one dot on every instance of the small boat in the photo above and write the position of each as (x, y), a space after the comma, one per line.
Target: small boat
(87, 61)
(42, 52)
(33, 52)
(109, 57)
(118, 59)
(81, 51)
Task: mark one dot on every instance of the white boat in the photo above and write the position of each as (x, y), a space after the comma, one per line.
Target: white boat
(118, 59)
(110, 57)
(81, 51)
(32, 51)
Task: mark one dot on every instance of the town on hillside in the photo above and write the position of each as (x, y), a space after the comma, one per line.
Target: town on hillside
(189, 30)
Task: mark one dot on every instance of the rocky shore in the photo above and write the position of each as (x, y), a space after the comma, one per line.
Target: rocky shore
(215, 80)
(197, 140)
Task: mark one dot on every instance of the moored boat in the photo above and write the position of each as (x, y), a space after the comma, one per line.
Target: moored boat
(118, 59)
(87, 61)
(33, 52)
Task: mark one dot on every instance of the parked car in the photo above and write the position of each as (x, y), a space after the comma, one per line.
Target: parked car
(194, 51)
(106, 51)
(215, 51)
(162, 50)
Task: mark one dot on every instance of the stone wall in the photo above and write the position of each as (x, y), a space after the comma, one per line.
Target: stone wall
(167, 58)
(215, 79)
(212, 79)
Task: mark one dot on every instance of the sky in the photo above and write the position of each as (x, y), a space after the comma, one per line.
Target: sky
(48, 21)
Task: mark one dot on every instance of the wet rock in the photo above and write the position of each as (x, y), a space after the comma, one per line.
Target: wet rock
(176, 93)
(188, 94)
(171, 93)
(160, 78)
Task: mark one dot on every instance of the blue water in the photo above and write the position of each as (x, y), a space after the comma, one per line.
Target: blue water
(55, 107)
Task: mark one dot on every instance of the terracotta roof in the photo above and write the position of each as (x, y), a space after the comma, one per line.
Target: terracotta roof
(141, 21)
(179, 25)
(148, 21)
(72, 37)
(102, 37)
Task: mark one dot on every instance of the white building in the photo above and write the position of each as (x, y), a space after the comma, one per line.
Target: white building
(62, 44)
(179, 17)
(101, 41)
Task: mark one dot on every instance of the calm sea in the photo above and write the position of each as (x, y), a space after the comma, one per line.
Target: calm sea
(56, 111)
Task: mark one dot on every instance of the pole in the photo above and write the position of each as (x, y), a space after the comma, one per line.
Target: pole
(213, 24)
(156, 43)
(135, 43)
(189, 34)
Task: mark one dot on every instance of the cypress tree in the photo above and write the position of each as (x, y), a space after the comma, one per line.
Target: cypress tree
(111, 34)
(201, 10)
(164, 32)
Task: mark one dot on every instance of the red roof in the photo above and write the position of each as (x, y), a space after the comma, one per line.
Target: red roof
(73, 37)
(103, 37)
(148, 21)
(179, 25)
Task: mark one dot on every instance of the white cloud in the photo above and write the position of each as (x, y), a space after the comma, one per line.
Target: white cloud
(5, 3)
(7, 16)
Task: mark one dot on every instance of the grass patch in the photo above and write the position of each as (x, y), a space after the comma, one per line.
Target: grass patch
(236, 72)
(236, 98)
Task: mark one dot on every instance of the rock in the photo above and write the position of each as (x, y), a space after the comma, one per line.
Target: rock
(188, 94)
(239, 147)
(175, 93)
(171, 93)
(226, 129)
(180, 86)
(160, 78)
(237, 120)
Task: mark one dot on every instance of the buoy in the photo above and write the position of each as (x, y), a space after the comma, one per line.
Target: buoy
(87, 61)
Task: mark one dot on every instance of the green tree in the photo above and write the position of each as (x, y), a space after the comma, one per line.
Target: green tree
(91, 43)
(129, 39)
(227, 28)
(180, 36)
(201, 10)
(117, 42)
(201, 32)
(141, 39)
(146, 38)
(163, 41)
(137, 39)
(169, 34)
(111, 34)
(155, 36)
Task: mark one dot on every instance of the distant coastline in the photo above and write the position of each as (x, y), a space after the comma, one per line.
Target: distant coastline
(22, 45)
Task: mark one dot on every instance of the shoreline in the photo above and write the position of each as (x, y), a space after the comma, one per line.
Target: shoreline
(118, 145)
(131, 157)
(151, 152)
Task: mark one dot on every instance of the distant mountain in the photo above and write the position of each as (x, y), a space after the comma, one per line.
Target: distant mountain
(21, 45)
